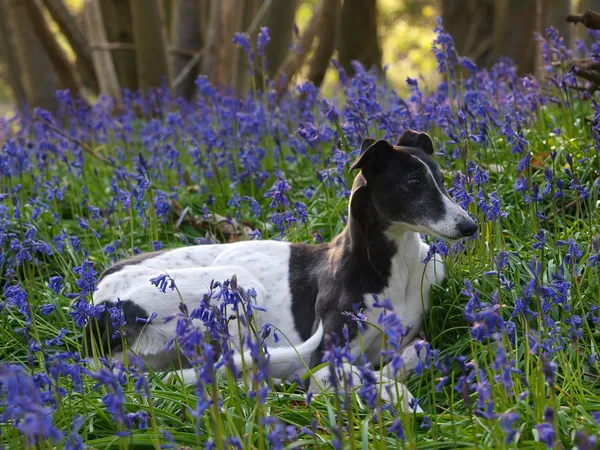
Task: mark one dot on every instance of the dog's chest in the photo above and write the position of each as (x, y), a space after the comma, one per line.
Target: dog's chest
(404, 291)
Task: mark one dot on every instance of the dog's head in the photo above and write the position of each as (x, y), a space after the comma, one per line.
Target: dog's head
(406, 188)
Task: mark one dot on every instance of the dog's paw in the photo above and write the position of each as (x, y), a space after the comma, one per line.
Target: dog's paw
(411, 359)
(398, 395)
(390, 390)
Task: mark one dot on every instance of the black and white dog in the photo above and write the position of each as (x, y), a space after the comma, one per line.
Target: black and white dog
(305, 288)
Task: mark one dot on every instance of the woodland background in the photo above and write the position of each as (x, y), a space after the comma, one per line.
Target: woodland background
(104, 46)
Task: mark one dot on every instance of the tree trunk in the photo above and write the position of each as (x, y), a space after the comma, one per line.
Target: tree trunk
(279, 19)
(9, 57)
(230, 21)
(556, 15)
(118, 26)
(64, 68)
(241, 62)
(295, 58)
(187, 35)
(358, 35)
(211, 47)
(485, 31)
(328, 40)
(37, 74)
(150, 43)
(77, 40)
(103, 62)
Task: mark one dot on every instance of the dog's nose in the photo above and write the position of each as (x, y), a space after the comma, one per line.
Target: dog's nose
(467, 228)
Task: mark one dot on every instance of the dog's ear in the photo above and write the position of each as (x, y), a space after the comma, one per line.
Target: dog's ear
(412, 138)
(372, 154)
(359, 198)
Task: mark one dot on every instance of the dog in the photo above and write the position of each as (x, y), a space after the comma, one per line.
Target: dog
(305, 289)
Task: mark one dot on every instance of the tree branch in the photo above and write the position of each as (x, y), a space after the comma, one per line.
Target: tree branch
(74, 36)
(76, 141)
(187, 69)
(589, 19)
(64, 69)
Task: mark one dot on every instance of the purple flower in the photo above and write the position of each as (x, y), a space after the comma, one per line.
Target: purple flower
(585, 442)
(55, 283)
(507, 421)
(162, 282)
(241, 39)
(546, 433)
(397, 429)
(262, 40)
(277, 192)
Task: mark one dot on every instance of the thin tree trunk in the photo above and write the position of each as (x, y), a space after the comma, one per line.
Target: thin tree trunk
(279, 19)
(211, 47)
(295, 58)
(9, 56)
(151, 44)
(230, 21)
(358, 35)
(328, 40)
(75, 37)
(103, 62)
(64, 68)
(241, 62)
(187, 35)
(118, 26)
(556, 16)
(37, 74)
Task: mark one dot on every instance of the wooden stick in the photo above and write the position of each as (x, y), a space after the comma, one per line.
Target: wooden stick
(590, 19)
(112, 46)
(76, 141)
(187, 69)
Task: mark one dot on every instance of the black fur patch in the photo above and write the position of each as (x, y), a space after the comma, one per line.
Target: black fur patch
(303, 285)
(333, 278)
(130, 262)
(101, 330)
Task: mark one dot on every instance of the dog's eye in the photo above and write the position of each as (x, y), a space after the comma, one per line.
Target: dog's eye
(414, 182)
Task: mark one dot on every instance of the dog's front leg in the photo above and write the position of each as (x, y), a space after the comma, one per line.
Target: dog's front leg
(390, 390)
(410, 359)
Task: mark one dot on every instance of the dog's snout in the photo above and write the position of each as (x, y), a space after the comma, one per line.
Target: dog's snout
(467, 228)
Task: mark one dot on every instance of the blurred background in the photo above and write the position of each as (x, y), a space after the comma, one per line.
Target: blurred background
(104, 46)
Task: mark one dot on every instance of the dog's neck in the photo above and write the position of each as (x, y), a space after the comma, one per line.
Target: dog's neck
(368, 246)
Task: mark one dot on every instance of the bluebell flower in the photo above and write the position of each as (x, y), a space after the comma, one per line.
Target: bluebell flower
(262, 40)
(241, 39)
(254, 205)
(74, 441)
(586, 442)
(277, 193)
(546, 433)
(16, 296)
(55, 283)
(397, 429)
(162, 282)
(508, 420)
